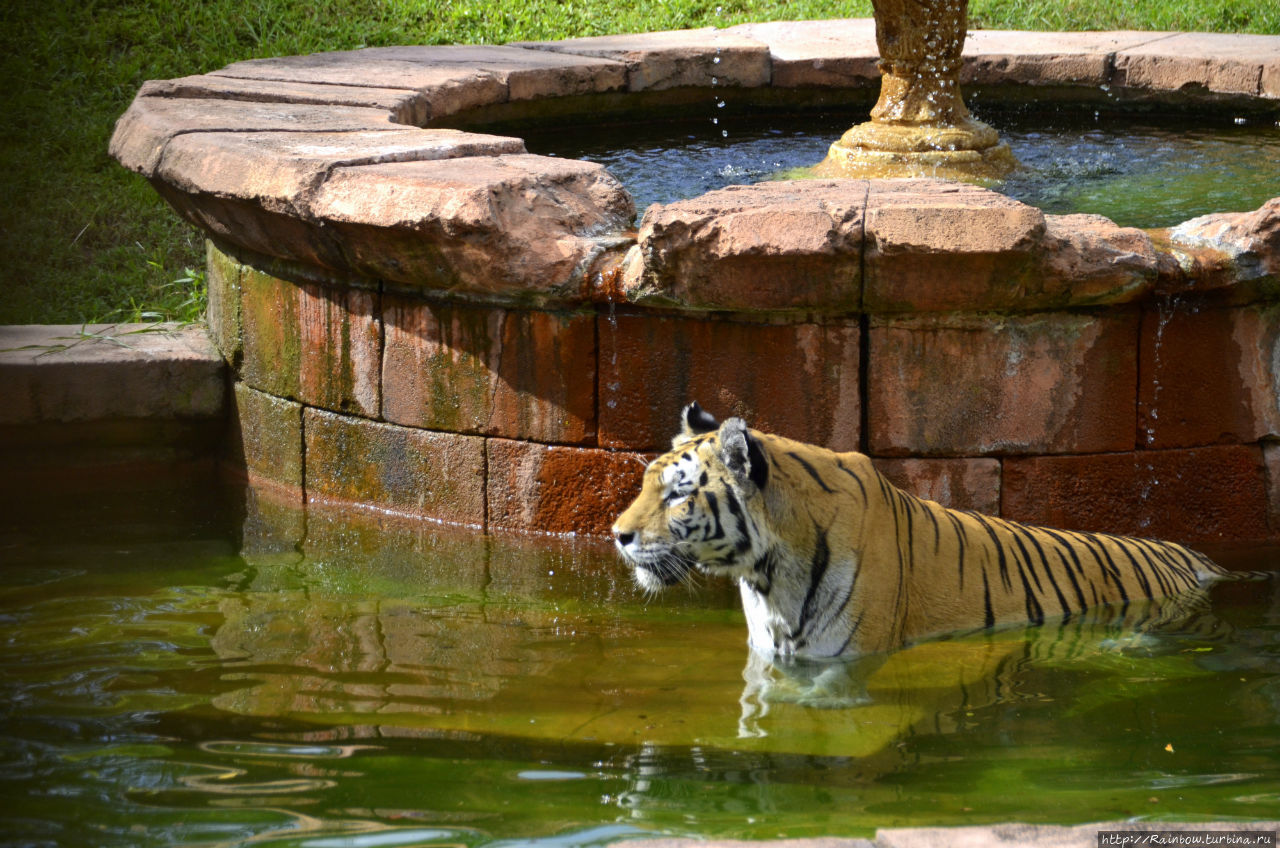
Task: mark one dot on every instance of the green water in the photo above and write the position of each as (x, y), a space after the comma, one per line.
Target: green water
(1139, 170)
(176, 674)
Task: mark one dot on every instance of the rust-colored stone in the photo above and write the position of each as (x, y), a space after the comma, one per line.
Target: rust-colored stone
(1087, 260)
(548, 489)
(145, 129)
(519, 374)
(451, 77)
(943, 246)
(674, 59)
(1209, 376)
(957, 483)
(406, 106)
(281, 170)
(518, 228)
(967, 385)
(1236, 255)
(1001, 57)
(367, 463)
(778, 245)
(1196, 495)
(1218, 62)
(797, 380)
(310, 342)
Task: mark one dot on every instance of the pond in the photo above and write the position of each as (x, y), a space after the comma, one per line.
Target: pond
(1147, 170)
(180, 672)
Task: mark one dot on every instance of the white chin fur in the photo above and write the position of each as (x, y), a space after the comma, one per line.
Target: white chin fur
(647, 580)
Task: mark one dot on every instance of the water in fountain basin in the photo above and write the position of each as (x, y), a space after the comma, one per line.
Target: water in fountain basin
(169, 678)
(1143, 171)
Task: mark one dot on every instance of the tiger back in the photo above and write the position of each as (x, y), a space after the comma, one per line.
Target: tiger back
(834, 560)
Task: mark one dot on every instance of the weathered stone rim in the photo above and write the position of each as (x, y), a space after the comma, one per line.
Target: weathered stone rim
(173, 134)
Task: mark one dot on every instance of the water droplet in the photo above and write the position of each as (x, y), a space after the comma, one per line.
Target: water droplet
(719, 104)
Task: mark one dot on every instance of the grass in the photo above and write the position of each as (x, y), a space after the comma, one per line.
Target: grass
(81, 239)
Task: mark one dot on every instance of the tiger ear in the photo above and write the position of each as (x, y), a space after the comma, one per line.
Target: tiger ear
(694, 421)
(742, 454)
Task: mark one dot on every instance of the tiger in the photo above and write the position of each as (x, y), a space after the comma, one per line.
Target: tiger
(834, 561)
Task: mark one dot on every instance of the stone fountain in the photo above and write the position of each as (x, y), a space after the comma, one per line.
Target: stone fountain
(423, 318)
(920, 126)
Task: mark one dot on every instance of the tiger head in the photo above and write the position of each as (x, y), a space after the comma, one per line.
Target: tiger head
(699, 508)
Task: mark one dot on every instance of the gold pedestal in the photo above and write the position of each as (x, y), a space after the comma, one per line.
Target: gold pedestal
(920, 126)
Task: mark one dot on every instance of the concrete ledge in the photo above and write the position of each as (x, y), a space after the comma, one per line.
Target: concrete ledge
(97, 372)
(108, 399)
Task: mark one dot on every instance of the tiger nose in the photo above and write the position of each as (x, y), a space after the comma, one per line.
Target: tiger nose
(624, 537)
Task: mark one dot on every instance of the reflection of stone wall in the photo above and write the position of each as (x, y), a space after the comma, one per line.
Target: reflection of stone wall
(436, 323)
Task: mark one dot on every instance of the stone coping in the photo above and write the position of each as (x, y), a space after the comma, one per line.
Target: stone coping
(120, 406)
(69, 373)
(319, 160)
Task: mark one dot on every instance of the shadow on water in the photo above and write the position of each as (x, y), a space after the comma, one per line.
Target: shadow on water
(191, 675)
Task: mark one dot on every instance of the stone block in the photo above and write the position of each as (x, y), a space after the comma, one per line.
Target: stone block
(1221, 63)
(1234, 255)
(148, 125)
(550, 489)
(1086, 260)
(51, 373)
(1209, 376)
(776, 245)
(265, 441)
(836, 54)
(311, 342)
(1194, 495)
(797, 380)
(255, 188)
(452, 77)
(518, 374)
(972, 385)
(358, 462)
(520, 228)
(1001, 57)
(942, 246)
(222, 285)
(280, 171)
(956, 483)
(406, 106)
(662, 60)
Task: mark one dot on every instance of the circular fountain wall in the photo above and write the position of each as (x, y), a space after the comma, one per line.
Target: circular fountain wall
(426, 319)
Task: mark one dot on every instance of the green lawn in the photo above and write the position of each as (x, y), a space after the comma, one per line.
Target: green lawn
(82, 239)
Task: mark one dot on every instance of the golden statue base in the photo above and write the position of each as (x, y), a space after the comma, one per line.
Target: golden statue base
(969, 150)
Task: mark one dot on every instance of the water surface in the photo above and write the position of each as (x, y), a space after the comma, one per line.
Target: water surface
(173, 674)
(1139, 170)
